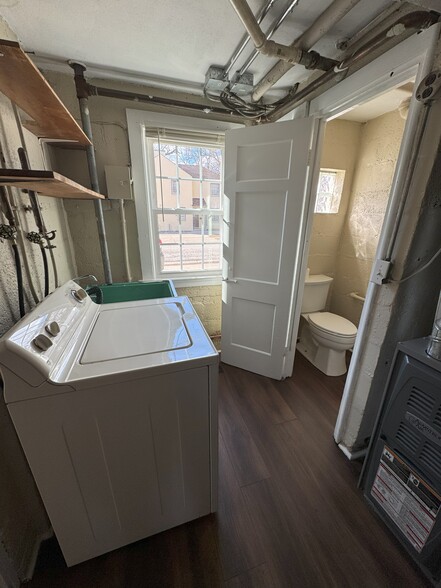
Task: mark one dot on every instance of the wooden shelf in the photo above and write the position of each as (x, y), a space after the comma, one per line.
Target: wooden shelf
(46, 183)
(22, 82)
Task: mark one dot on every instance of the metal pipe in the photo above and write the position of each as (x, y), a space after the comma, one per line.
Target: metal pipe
(23, 155)
(159, 101)
(415, 127)
(356, 296)
(12, 208)
(310, 60)
(93, 173)
(51, 248)
(385, 19)
(45, 270)
(403, 27)
(5, 207)
(36, 209)
(273, 28)
(244, 41)
(19, 279)
(14, 221)
(82, 95)
(249, 21)
(308, 39)
(124, 238)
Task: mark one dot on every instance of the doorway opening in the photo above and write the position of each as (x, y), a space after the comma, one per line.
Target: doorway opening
(360, 152)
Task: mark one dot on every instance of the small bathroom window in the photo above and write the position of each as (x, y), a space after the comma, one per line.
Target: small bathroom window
(329, 191)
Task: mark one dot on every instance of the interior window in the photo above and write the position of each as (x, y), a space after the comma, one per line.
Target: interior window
(329, 191)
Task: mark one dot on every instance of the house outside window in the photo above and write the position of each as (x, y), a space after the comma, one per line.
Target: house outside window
(186, 210)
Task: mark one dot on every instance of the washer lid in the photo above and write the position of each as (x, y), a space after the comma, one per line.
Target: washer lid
(333, 323)
(136, 330)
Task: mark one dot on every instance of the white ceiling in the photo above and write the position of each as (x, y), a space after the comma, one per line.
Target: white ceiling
(382, 104)
(166, 39)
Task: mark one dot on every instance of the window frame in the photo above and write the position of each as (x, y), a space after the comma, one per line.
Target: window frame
(155, 210)
(138, 122)
(340, 176)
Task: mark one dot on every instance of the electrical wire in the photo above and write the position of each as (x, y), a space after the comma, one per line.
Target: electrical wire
(254, 111)
(46, 271)
(19, 279)
(419, 270)
(17, 223)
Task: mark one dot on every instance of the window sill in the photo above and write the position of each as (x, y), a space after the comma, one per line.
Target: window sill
(188, 282)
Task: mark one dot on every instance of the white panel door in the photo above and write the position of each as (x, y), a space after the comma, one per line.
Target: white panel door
(266, 210)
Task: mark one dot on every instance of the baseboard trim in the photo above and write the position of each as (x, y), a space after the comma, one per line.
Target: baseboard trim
(352, 455)
(27, 569)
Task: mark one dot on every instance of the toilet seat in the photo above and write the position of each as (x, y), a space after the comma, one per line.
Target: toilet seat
(332, 324)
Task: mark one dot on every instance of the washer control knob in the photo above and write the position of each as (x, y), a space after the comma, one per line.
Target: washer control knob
(52, 328)
(42, 342)
(79, 294)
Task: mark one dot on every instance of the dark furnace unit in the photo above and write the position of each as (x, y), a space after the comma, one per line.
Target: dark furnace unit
(402, 474)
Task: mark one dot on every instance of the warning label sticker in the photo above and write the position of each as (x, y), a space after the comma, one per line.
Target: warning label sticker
(406, 498)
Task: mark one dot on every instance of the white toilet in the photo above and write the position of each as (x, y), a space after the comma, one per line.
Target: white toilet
(324, 337)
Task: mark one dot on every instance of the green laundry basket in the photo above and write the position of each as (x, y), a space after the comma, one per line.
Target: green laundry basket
(129, 291)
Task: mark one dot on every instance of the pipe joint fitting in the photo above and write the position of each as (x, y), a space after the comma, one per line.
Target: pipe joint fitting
(81, 85)
(313, 60)
(273, 49)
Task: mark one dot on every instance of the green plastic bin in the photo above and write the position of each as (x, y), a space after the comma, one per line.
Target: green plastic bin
(129, 291)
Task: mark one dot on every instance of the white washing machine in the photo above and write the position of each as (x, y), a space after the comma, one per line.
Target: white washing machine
(116, 409)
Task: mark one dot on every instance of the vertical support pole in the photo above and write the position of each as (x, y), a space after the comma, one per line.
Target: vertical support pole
(83, 98)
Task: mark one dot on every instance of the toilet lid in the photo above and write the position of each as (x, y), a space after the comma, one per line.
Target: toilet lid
(332, 323)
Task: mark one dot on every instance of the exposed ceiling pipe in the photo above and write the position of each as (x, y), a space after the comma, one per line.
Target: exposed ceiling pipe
(159, 101)
(273, 28)
(293, 55)
(335, 12)
(384, 19)
(244, 41)
(403, 27)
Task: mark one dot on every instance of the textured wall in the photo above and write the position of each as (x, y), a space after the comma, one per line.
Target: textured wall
(22, 517)
(340, 148)
(207, 301)
(111, 142)
(377, 155)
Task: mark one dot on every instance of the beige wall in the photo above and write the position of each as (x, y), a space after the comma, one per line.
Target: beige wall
(339, 152)
(207, 301)
(109, 126)
(22, 517)
(377, 155)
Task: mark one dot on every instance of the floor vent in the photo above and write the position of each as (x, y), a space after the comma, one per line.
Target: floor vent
(421, 402)
(408, 438)
(431, 457)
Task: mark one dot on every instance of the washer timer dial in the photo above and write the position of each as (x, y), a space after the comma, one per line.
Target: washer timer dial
(52, 328)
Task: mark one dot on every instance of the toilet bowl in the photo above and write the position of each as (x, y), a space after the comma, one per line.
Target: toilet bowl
(324, 337)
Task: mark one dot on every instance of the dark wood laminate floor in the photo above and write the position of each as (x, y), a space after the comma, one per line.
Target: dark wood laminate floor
(290, 515)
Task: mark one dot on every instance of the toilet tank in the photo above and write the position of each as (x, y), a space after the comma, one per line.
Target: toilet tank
(315, 293)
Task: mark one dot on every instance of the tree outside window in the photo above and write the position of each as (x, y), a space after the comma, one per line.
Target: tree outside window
(188, 177)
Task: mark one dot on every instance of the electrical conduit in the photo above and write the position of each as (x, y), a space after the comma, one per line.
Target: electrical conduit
(411, 142)
(333, 14)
